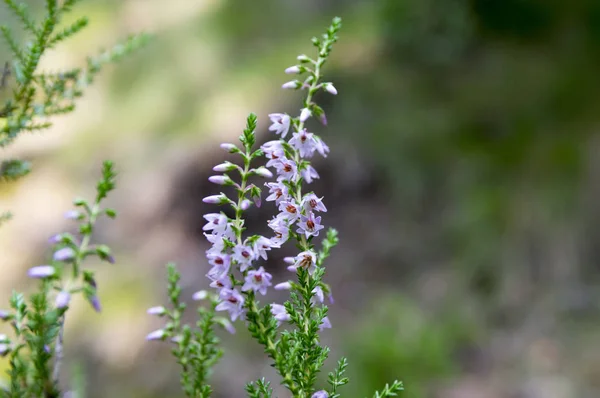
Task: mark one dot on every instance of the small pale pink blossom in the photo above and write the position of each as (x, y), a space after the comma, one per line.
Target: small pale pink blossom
(257, 281)
(280, 123)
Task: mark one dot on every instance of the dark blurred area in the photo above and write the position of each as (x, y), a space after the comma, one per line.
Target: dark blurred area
(463, 179)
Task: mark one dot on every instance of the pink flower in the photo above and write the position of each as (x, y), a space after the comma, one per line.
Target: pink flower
(233, 302)
(257, 281)
(309, 225)
(311, 202)
(304, 142)
(280, 123)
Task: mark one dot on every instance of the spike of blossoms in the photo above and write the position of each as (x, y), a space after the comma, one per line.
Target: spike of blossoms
(234, 256)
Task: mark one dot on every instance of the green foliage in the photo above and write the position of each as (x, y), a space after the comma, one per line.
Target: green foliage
(37, 96)
(196, 349)
(36, 349)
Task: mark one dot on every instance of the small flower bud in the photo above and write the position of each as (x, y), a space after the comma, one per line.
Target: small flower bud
(223, 167)
(283, 286)
(229, 147)
(303, 58)
(4, 349)
(320, 394)
(305, 114)
(64, 254)
(5, 315)
(215, 199)
(293, 70)
(200, 295)
(263, 172)
(156, 335)
(245, 204)
(55, 239)
(226, 325)
(73, 215)
(95, 303)
(177, 339)
(330, 88)
(4, 338)
(221, 180)
(292, 84)
(159, 310)
(62, 299)
(41, 271)
(289, 260)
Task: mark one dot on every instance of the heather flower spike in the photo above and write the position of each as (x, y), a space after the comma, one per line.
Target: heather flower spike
(235, 257)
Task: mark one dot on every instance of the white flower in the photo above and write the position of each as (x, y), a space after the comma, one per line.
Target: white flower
(304, 142)
(287, 169)
(217, 223)
(257, 281)
(243, 255)
(309, 174)
(261, 246)
(309, 225)
(289, 210)
(307, 260)
(312, 203)
(281, 123)
(278, 192)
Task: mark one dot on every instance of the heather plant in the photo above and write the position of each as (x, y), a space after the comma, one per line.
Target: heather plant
(289, 332)
(30, 98)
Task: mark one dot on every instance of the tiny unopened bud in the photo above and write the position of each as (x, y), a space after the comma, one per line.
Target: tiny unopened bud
(4, 349)
(220, 168)
(330, 88)
(73, 215)
(245, 204)
(62, 299)
(293, 70)
(4, 338)
(303, 58)
(220, 180)
(293, 84)
(55, 239)
(283, 286)
(229, 147)
(263, 172)
(156, 335)
(289, 260)
(305, 114)
(95, 303)
(158, 310)
(64, 254)
(200, 295)
(5, 315)
(215, 199)
(177, 339)
(226, 325)
(323, 119)
(41, 271)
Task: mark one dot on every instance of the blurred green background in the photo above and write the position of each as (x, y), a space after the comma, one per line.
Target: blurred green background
(464, 181)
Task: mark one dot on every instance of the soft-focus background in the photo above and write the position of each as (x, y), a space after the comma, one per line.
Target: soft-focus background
(463, 178)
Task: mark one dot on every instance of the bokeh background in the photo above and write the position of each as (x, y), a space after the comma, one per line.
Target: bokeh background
(463, 178)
